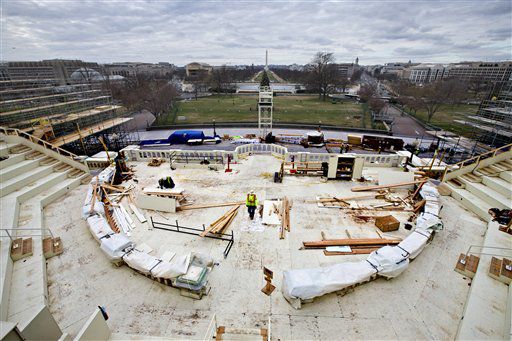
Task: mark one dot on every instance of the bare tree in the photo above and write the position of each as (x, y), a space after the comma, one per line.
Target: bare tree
(376, 104)
(366, 92)
(477, 85)
(323, 74)
(343, 83)
(221, 79)
(144, 92)
(433, 95)
(200, 82)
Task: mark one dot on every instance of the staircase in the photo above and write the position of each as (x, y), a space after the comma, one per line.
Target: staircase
(483, 182)
(478, 184)
(33, 174)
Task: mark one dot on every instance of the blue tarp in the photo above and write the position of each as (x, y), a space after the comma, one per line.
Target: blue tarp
(178, 137)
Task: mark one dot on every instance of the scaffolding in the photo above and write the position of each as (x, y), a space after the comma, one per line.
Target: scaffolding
(71, 116)
(265, 108)
(492, 124)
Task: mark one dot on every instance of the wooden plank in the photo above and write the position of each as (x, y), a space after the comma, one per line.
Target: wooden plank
(365, 251)
(223, 227)
(94, 195)
(374, 188)
(114, 188)
(226, 218)
(138, 213)
(350, 242)
(195, 207)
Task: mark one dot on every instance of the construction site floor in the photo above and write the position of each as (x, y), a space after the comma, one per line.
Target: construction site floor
(425, 302)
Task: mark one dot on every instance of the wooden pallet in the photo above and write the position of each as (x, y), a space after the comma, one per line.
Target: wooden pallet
(467, 265)
(21, 248)
(52, 247)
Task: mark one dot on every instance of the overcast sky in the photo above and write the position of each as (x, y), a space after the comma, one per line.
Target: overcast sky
(238, 32)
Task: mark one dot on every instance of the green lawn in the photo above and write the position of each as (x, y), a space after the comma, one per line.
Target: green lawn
(294, 109)
(446, 115)
(270, 77)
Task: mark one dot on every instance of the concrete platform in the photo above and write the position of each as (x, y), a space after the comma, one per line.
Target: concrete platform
(425, 302)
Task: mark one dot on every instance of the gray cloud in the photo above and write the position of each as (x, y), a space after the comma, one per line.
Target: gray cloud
(228, 31)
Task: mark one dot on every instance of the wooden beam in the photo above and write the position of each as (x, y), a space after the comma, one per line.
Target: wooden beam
(195, 207)
(374, 188)
(365, 251)
(350, 242)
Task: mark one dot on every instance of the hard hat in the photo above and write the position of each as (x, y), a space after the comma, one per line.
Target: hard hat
(252, 191)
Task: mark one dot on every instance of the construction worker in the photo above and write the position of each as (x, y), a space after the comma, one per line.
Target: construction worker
(166, 183)
(251, 202)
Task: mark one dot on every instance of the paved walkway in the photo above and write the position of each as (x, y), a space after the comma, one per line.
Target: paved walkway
(404, 125)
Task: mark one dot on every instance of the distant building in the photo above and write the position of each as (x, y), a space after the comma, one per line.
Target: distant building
(488, 71)
(194, 69)
(129, 69)
(346, 70)
(425, 73)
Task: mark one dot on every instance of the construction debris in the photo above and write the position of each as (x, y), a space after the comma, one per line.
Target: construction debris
(155, 162)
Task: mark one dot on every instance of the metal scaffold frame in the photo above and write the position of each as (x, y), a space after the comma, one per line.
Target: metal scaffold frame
(265, 110)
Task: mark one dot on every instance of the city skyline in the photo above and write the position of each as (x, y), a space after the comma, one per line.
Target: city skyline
(238, 32)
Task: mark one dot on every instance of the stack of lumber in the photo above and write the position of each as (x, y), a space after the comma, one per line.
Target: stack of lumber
(219, 225)
(357, 245)
(285, 217)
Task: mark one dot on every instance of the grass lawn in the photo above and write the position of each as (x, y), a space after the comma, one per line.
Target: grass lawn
(269, 74)
(290, 109)
(446, 115)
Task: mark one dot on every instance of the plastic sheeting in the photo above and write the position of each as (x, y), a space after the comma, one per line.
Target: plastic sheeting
(116, 246)
(99, 226)
(390, 261)
(309, 283)
(141, 261)
(415, 242)
(148, 264)
(176, 267)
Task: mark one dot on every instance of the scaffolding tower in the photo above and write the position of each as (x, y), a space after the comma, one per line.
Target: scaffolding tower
(265, 109)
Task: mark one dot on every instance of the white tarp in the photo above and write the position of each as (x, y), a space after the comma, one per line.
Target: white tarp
(177, 266)
(140, 261)
(98, 226)
(309, 283)
(115, 246)
(429, 221)
(390, 261)
(415, 242)
(99, 208)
